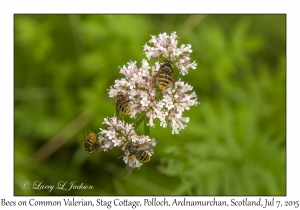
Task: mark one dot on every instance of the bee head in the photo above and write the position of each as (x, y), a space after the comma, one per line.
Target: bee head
(167, 61)
(127, 145)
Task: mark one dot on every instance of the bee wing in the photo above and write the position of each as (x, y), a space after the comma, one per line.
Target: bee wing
(148, 145)
(156, 79)
(128, 169)
(172, 84)
(97, 147)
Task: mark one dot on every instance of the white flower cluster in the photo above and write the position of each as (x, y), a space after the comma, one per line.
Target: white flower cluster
(166, 102)
(116, 134)
(119, 133)
(166, 46)
(138, 87)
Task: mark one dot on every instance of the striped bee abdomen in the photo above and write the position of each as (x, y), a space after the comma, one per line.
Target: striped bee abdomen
(165, 75)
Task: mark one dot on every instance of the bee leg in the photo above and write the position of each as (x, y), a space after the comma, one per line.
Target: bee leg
(152, 82)
(154, 79)
(99, 149)
(173, 84)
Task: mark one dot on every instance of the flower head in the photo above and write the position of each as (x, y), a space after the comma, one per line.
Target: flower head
(144, 96)
(166, 46)
(117, 133)
(120, 133)
(140, 90)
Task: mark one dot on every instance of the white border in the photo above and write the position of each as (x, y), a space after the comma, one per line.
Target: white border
(8, 8)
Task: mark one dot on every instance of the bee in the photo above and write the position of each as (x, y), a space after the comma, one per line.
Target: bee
(165, 75)
(90, 143)
(122, 104)
(138, 152)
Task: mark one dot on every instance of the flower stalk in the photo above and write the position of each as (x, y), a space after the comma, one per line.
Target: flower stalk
(146, 128)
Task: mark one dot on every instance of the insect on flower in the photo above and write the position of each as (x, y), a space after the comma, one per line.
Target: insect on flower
(165, 75)
(122, 104)
(90, 143)
(137, 154)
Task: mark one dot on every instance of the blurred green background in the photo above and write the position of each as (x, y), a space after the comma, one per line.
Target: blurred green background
(234, 144)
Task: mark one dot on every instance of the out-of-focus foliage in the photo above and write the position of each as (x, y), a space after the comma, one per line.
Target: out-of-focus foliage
(235, 141)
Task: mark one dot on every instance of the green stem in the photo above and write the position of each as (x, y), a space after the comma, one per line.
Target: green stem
(143, 118)
(146, 128)
(159, 94)
(139, 120)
